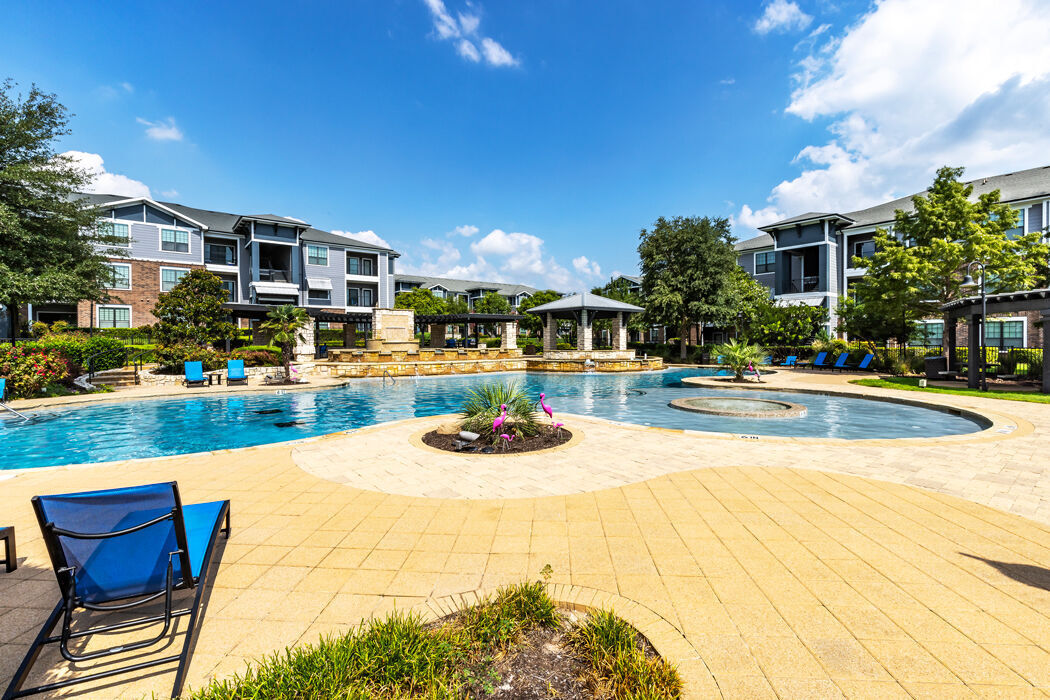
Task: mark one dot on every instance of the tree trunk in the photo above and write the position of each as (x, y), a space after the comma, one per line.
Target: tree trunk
(683, 340)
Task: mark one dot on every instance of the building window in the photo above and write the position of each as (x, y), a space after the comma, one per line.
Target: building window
(1004, 334)
(170, 276)
(121, 276)
(353, 266)
(117, 231)
(360, 266)
(320, 296)
(230, 287)
(317, 255)
(366, 267)
(928, 334)
(114, 317)
(220, 253)
(366, 297)
(863, 249)
(765, 263)
(353, 296)
(390, 266)
(1017, 230)
(174, 240)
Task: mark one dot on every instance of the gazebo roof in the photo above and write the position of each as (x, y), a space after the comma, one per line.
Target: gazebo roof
(596, 306)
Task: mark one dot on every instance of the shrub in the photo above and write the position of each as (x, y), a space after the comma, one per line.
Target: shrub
(30, 370)
(738, 356)
(172, 357)
(258, 355)
(40, 329)
(78, 349)
(483, 404)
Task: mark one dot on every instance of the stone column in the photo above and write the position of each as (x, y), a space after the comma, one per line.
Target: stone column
(973, 353)
(437, 335)
(349, 336)
(304, 348)
(584, 339)
(1046, 360)
(619, 332)
(509, 339)
(550, 334)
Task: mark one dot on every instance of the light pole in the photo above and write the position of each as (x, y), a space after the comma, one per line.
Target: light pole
(968, 282)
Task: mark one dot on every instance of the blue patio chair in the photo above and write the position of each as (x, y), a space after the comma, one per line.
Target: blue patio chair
(114, 550)
(864, 364)
(235, 372)
(3, 388)
(840, 361)
(817, 361)
(194, 373)
(450, 342)
(790, 361)
(767, 360)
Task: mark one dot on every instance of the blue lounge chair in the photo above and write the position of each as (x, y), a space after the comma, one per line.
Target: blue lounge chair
(818, 361)
(3, 388)
(840, 361)
(116, 549)
(790, 361)
(863, 364)
(194, 373)
(235, 372)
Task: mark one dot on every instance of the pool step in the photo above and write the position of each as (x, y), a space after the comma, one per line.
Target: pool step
(116, 378)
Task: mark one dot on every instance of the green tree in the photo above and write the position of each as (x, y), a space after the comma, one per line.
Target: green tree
(891, 297)
(533, 322)
(920, 266)
(192, 312)
(285, 325)
(750, 300)
(420, 300)
(620, 290)
(52, 246)
(773, 325)
(738, 356)
(688, 270)
(492, 303)
(457, 306)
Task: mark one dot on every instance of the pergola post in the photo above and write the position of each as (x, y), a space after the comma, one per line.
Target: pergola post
(509, 339)
(349, 336)
(550, 334)
(949, 339)
(1045, 317)
(584, 339)
(619, 332)
(973, 352)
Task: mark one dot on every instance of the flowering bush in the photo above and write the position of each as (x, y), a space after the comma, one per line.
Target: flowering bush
(78, 348)
(171, 358)
(258, 356)
(30, 370)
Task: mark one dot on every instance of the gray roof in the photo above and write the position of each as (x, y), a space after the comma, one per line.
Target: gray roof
(1019, 186)
(630, 278)
(804, 218)
(466, 286)
(585, 300)
(762, 241)
(223, 222)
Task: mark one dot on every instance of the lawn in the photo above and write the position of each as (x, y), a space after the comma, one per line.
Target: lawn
(912, 384)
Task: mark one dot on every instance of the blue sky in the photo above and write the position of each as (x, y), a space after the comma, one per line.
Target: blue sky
(530, 142)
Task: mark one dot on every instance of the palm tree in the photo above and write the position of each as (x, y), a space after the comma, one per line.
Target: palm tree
(738, 356)
(284, 325)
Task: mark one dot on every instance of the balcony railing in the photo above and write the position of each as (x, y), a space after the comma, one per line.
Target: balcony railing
(804, 284)
(271, 275)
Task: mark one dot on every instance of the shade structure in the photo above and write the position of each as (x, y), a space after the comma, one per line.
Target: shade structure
(596, 307)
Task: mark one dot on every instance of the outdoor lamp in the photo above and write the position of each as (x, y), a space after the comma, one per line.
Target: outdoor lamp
(968, 281)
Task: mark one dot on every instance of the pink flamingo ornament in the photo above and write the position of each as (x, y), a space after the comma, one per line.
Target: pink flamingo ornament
(507, 439)
(558, 426)
(501, 419)
(546, 409)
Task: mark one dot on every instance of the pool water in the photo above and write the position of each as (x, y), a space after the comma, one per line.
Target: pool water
(195, 423)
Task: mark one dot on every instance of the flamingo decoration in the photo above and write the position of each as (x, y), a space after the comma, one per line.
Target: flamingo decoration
(507, 439)
(546, 409)
(500, 419)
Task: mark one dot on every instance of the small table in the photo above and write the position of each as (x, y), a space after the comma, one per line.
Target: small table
(7, 534)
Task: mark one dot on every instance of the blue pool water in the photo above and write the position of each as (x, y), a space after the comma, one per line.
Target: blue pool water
(196, 423)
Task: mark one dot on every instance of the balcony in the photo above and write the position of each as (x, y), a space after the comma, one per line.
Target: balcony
(271, 275)
(803, 284)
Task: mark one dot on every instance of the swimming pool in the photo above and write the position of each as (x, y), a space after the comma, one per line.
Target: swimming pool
(196, 423)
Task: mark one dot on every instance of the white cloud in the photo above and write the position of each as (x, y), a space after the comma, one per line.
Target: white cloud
(499, 256)
(161, 130)
(170, 194)
(907, 92)
(103, 182)
(781, 16)
(366, 236)
(727, 81)
(587, 268)
(127, 87)
(463, 31)
(495, 54)
(465, 230)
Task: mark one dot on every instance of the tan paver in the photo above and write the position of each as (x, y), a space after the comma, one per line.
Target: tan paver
(764, 568)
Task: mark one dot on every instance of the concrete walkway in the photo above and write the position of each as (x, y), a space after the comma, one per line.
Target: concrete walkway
(764, 569)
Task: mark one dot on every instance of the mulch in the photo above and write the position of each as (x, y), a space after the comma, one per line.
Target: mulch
(546, 439)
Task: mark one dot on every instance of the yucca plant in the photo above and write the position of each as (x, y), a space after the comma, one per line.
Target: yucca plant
(738, 356)
(483, 404)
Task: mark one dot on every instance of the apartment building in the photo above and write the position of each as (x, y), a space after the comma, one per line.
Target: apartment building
(466, 290)
(262, 260)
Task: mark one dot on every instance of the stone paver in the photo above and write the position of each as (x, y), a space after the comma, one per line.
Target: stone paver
(758, 567)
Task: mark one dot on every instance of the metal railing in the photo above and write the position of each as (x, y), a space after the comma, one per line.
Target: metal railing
(804, 284)
(267, 274)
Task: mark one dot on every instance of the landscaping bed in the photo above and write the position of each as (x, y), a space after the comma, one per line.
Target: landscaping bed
(544, 440)
(516, 644)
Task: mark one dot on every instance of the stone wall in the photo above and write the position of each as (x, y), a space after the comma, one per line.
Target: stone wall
(546, 364)
(410, 369)
(422, 355)
(589, 355)
(148, 378)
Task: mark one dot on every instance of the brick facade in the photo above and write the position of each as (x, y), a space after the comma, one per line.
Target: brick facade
(143, 295)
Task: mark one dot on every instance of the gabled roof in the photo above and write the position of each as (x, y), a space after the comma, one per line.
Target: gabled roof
(466, 286)
(761, 241)
(807, 218)
(274, 219)
(585, 300)
(318, 236)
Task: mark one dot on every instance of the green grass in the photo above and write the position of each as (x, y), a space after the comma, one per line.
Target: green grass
(912, 384)
(399, 657)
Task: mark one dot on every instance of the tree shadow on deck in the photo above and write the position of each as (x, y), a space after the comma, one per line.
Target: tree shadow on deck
(1028, 574)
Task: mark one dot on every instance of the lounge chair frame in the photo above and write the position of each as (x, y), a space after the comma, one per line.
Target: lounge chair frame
(70, 602)
(236, 380)
(10, 560)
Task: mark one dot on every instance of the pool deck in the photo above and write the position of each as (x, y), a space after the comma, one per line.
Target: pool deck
(763, 567)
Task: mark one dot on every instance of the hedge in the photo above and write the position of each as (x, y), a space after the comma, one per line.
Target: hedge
(108, 353)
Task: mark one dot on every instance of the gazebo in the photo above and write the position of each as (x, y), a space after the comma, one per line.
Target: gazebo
(584, 309)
